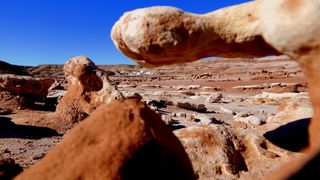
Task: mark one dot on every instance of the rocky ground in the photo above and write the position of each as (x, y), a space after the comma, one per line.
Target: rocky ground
(236, 118)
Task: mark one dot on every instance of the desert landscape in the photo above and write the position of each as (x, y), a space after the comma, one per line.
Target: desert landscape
(262, 106)
(252, 113)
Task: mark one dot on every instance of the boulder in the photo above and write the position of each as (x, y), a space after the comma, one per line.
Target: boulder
(121, 140)
(166, 35)
(292, 110)
(88, 88)
(214, 98)
(292, 27)
(213, 151)
(249, 119)
(192, 106)
(25, 85)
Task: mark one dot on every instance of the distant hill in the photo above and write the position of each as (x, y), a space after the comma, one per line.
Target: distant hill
(6, 68)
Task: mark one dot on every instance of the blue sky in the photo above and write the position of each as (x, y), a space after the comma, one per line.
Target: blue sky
(52, 31)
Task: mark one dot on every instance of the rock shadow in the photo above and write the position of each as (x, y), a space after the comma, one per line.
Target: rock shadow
(9, 129)
(292, 136)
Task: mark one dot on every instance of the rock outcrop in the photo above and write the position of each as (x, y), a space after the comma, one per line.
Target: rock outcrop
(292, 27)
(213, 151)
(163, 35)
(166, 35)
(25, 85)
(88, 88)
(121, 140)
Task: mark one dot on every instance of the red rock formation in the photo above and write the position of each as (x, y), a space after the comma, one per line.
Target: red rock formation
(25, 85)
(88, 88)
(121, 140)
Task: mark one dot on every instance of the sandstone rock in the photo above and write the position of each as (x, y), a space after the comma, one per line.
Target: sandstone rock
(25, 85)
(214, 98)
(192, 106)
(299, 38)
(88, 88)
(136, 96)
(276, 98)
(213, 152)
(121, 140)
(292, 110)
(9, 169)
(227, 111)
(166, 35)
(14, 102)
(250, 119)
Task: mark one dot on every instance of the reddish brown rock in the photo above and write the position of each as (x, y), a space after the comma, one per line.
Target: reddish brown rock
(13, 101)
(213, 151)
(166, 35)
(25, 85)
(121, 140)
(88, 88)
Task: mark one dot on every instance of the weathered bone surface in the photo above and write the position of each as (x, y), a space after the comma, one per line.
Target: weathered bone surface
(121, 140)
(88, 88)
(166, 35)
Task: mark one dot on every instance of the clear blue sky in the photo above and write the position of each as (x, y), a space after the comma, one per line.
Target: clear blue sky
(52, 31)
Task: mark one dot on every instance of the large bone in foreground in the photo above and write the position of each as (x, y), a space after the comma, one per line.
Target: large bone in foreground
(165, 35)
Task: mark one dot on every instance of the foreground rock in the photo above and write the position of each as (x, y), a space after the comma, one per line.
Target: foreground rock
(88, 88)
(166, 35)
(290, 27)
(212, 151)
(122, 140)
(221, 152)
(288, 35)
(25, 85)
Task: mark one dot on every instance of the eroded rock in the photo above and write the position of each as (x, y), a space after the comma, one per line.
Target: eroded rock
(213, 152)
(88, 88)
(25, 85)
(167, 35)
(121, 140)
(214, 98)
